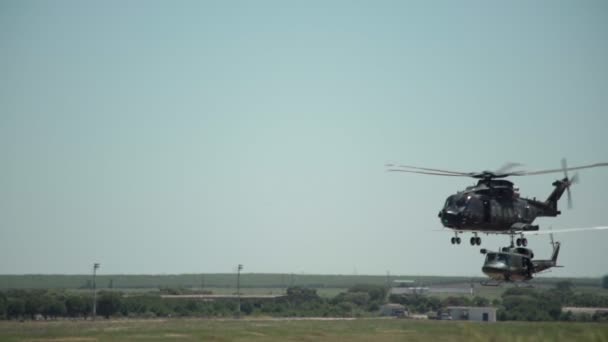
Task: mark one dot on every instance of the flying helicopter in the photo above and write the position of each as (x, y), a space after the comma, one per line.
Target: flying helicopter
(494, 204)
(511, 264)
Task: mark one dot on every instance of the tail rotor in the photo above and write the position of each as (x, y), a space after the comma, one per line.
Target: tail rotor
(569, 181)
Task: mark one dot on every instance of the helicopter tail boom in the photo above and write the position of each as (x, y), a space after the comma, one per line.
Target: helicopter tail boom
(560, 187)
(543, 265)
(556, 247)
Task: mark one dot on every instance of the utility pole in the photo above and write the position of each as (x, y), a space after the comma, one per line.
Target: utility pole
(238, 289)
(95, 267)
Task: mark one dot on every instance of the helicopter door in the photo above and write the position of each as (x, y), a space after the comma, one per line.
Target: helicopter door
(486, 211)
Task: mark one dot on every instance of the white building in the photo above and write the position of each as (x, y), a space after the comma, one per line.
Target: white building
(471, 313)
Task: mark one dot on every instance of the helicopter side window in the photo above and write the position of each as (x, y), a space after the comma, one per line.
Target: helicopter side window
(527, 212)
(474, 208)
(490, 257)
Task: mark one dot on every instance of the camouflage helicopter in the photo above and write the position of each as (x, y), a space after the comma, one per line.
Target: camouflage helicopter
(513, 264)
(494, 205)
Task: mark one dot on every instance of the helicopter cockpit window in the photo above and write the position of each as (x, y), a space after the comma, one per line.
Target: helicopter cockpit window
(498, 257)
(503, 257)
(462, 201)
(449, 202)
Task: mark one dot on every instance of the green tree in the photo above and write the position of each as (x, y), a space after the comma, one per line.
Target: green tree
(15, 307)
(3, 305)
(480, 301)
(54, 308)
(356, 298)
(247, 308)
(34, 303)
(375, 292)
(108, 303)
(456, 301)
(564, 286)
(77, 306)
(605, 282)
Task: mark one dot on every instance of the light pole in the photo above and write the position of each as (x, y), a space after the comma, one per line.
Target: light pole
(95, 267)
(238, 289)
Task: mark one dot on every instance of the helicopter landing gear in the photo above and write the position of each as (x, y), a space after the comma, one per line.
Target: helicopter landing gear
(475, 240)
(521, 242)
(456, 240)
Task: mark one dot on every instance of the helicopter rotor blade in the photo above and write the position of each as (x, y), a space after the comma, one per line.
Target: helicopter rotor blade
(427, 173)
(565, 167)
(542, 172)
(393, 166)
(486, 175)
(573, 180)
(568, 192)
(506, 167)
(559, 231)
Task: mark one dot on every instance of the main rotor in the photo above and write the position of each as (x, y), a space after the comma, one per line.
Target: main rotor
(502, 172)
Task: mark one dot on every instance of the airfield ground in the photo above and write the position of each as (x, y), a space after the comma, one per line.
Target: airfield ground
(297, 330)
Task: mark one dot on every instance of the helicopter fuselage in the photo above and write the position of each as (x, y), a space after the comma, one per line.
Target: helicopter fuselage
(507, 266)
(495, 206)
(516, 263)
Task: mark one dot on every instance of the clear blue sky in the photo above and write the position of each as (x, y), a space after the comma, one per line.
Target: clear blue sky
(190, 136)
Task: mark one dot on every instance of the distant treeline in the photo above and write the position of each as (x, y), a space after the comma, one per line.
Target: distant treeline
(360, 300)
(357, 301)
(228, 280)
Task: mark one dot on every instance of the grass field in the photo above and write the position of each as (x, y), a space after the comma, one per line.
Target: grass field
(298, 330)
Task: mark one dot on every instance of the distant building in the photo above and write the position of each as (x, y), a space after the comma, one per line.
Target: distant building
(394, 310)
(470, 313)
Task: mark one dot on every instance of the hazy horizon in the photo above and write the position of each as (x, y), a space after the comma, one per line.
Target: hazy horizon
(159, 137)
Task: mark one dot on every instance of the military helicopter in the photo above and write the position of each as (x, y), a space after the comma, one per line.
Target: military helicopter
(494, 205)
(511, 264)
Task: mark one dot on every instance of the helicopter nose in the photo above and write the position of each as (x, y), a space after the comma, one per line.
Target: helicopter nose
(494, 270)
(450, 218)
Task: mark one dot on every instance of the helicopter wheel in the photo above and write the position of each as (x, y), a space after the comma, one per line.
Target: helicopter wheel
(524, 242)
(458, 241)
(478, 241)
(453, 240)
(473, 241)
(518, 242)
